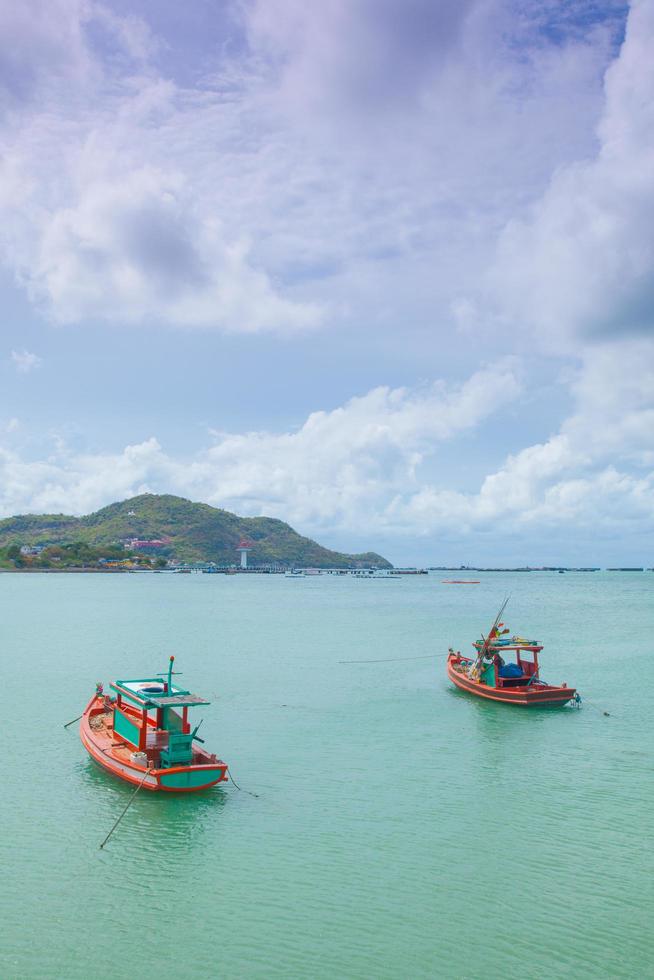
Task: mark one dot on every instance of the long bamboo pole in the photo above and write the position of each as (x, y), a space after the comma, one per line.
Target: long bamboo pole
(481, 653)
(69, 723)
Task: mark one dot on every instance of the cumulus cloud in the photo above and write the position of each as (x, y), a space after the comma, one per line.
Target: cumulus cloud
(136, 251)
(340, 467)
(24, 361)
(360, 467)
(358, 58)
(106, 215)
(335, 143)
(360, 162)
(596, 471)
(581, 265)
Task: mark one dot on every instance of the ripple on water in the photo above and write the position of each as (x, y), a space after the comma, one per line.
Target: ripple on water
(403, 829)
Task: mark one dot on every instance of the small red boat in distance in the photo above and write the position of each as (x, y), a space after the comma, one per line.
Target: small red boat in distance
(488, 675)
(143, 735)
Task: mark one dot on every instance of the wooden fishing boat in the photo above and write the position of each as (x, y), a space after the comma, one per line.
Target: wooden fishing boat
(142, 735)
(488, 675)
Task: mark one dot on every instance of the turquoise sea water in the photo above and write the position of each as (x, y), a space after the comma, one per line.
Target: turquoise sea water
(403, 829)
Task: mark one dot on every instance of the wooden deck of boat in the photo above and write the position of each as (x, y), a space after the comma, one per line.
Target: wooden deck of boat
(102, 729)
(112, 745)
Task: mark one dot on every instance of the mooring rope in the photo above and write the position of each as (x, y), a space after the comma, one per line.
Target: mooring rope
(248, 791)
(585, 700)
(129, 803)
(393, 660)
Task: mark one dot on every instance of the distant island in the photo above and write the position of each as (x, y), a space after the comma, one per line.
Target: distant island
(157, 531)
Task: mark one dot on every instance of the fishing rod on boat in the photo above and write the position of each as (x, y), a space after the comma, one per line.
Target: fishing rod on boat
(489, 638)
(484, 647)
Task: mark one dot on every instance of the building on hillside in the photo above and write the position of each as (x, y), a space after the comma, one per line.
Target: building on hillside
(137, 544)
(28, 550)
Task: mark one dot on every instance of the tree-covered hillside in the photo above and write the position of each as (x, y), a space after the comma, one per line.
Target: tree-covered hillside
(191, 532)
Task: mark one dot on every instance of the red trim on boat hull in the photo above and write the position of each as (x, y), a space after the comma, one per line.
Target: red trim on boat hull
(216, 771)
(524, 697)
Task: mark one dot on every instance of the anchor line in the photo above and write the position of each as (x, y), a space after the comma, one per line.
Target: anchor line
(586, 700)
(127, 806)
(248, 791)
(393, 660)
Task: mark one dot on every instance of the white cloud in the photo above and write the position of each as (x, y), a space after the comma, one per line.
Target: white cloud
(24, 361)
(111, 212)
(136, 250)
(337, 57)
(301, 182)
(581, 266)
(332, 172)
(361, 468)
(41, 38)
(340, 467)
(597, 471)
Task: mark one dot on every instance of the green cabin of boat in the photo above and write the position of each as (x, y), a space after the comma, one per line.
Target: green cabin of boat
(151, 712)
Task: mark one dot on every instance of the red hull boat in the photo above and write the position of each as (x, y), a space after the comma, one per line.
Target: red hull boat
(143, 735)
(487, 675)
(526, 694)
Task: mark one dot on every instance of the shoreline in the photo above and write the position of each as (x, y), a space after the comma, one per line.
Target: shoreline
(266, 571)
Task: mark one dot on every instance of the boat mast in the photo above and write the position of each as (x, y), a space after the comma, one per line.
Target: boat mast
(475, 669)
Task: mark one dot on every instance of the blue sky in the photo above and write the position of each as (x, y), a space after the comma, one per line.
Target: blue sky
(381, 269)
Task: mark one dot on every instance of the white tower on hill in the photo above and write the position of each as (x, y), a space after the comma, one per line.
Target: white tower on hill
(243, 547)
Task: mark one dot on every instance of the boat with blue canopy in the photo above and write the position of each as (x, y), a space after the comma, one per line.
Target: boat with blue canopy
(488, 675)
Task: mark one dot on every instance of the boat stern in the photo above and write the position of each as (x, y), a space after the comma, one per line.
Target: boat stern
(188, 779)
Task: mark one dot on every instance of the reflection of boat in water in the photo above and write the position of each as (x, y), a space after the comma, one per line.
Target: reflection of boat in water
(139, 736)
(487, 675)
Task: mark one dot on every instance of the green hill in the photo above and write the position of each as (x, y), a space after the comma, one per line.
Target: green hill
(193, 532)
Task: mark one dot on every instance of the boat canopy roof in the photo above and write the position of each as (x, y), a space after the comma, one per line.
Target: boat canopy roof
(501, 647)
(152, 692)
